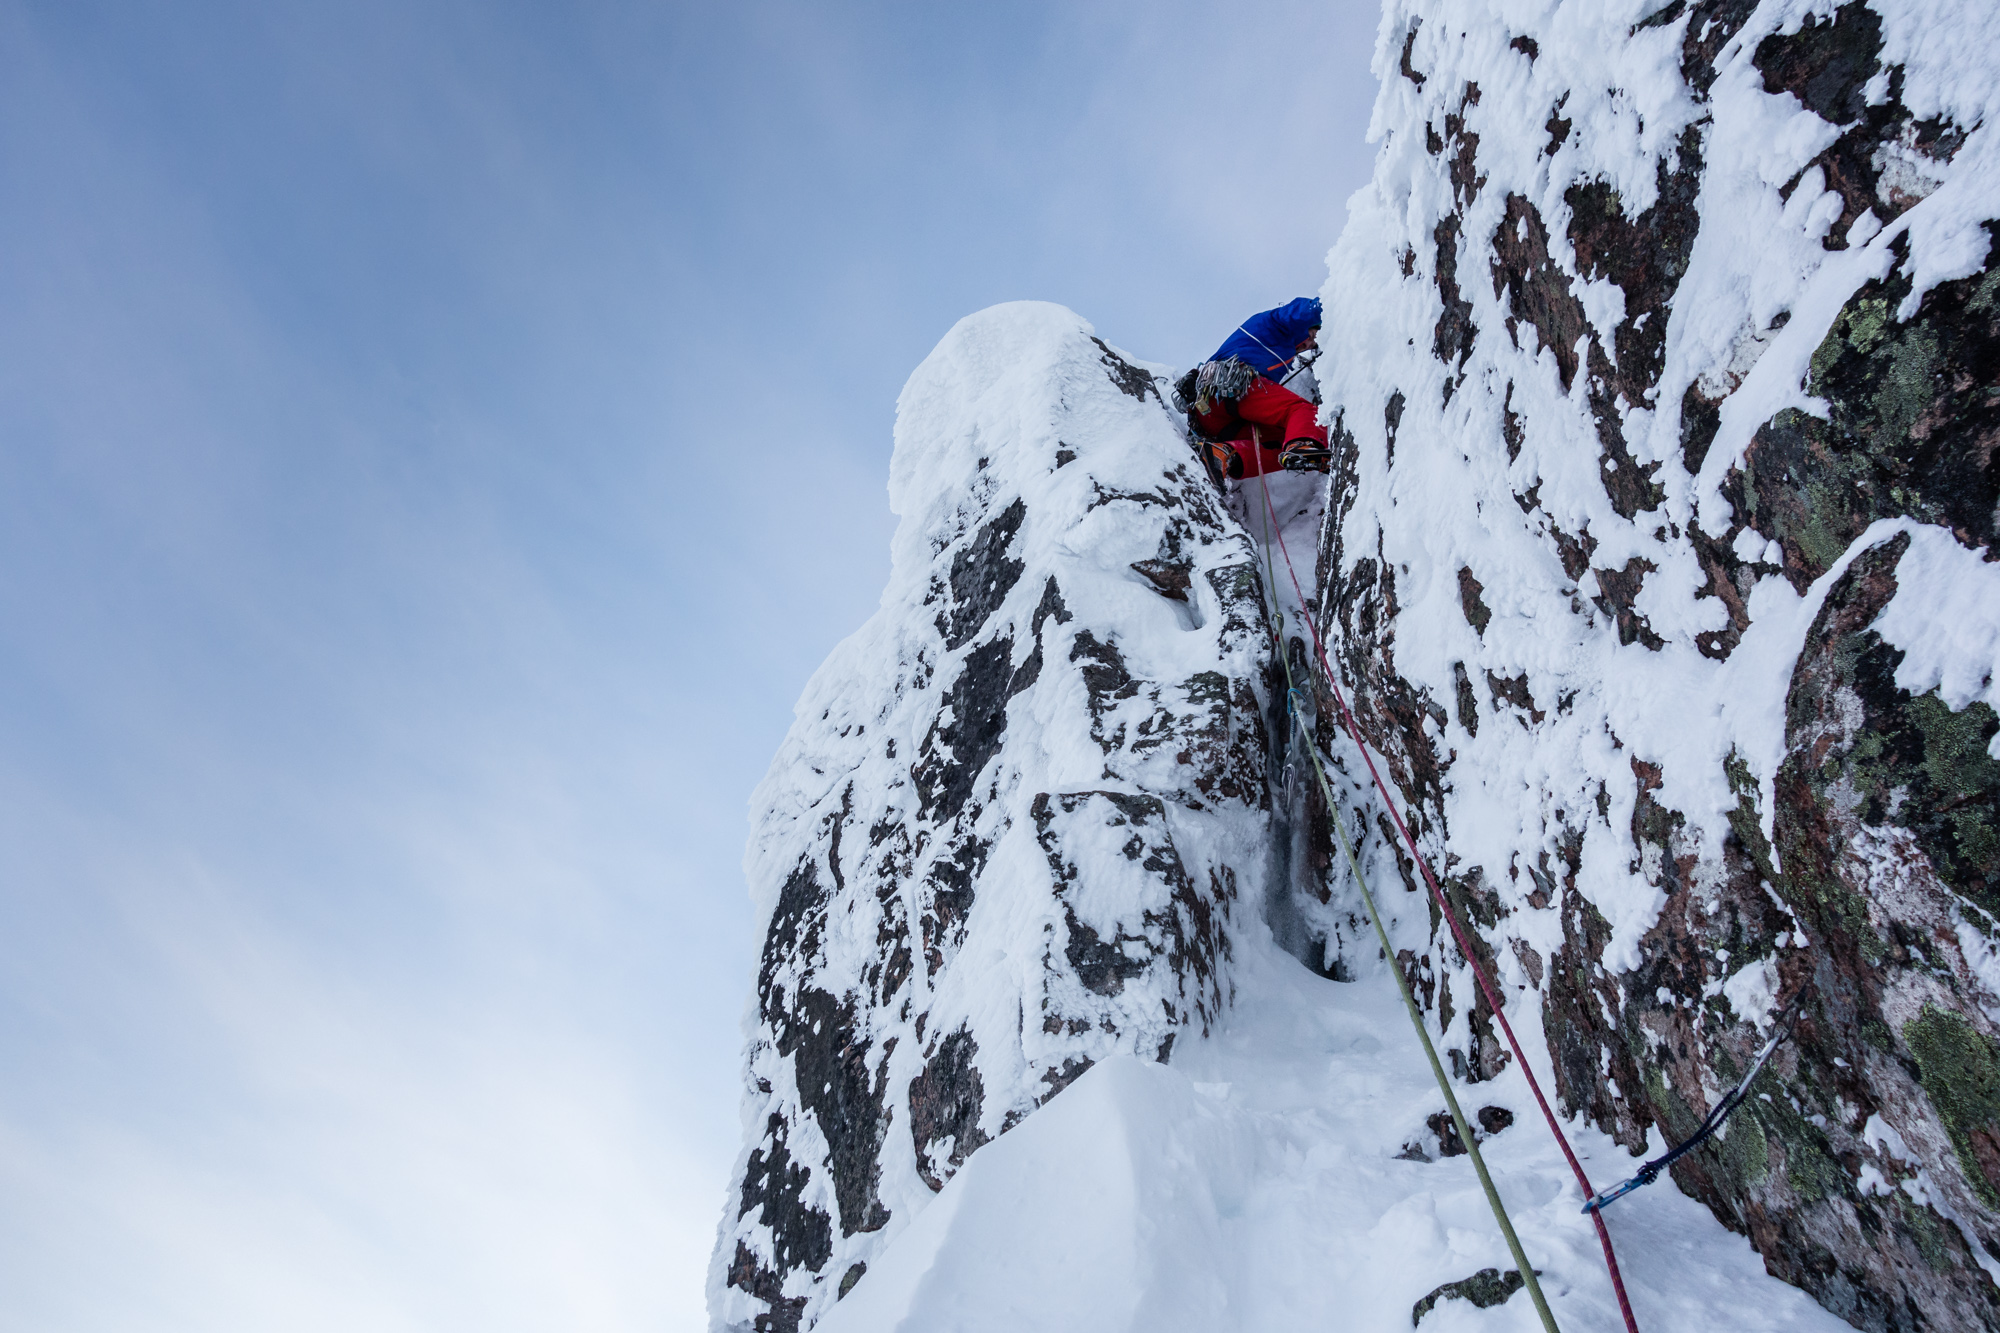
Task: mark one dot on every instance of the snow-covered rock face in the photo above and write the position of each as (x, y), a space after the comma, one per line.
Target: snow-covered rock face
(1667, 353)
(1007, 834)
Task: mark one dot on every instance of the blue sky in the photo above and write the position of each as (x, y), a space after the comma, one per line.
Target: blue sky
(437, 441)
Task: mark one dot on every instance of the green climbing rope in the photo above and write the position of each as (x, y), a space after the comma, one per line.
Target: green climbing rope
(1388, 951)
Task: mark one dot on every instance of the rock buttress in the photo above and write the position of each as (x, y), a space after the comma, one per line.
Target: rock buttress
(1017, 813)
(1691, 332)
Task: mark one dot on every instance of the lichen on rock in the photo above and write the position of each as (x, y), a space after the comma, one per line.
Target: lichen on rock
(1738, 357)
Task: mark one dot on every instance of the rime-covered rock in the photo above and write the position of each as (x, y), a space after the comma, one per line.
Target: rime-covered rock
(1666, 347)
(1017, 814)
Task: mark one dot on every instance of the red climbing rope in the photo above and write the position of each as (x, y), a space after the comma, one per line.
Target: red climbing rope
(1451, 917)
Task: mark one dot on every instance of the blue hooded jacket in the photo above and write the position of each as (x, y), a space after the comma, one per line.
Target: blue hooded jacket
(1270, 339)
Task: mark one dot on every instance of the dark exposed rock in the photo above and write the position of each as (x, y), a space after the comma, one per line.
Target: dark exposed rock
(1055, 1080)
(1582, 1021)
(1537, 291)
(1392, 419)
(1730, 581)
(1701, 417)
(1453, 340)
(1787, 1174)
(1468, 703)
(1444, 1130)
(1558, 127)
(1181, 931)
(872, 852)
(1101, 965)
(774, 1185)
(795, 930)
(1573, 552)
(752, 1276)
(1659, 18)
(1630, 486)
(1409, 45)
(1618, 589)
(1128, 378)
(981, 577)
(952, 882)
(1464, 166)
(1171, 579)
(1514, 691)
(1050, 605)
(1711, 23)
(1486, 1288)
(1913, 419)
(1826, 63)
(945, 1102)
(1853, 881)
(1485, 1055)
(961, 744)
(1241, 594)
(1876, 909)
(1104, 675)
(835, 1082)
(1645, 256)
(1469, 590)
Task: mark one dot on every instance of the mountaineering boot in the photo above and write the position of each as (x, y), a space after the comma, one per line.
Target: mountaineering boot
(1305, 456)
(1221, 461)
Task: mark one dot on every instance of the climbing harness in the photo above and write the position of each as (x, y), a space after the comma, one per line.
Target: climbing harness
(1298, 736)
(1451, 918)
(1650, 1172)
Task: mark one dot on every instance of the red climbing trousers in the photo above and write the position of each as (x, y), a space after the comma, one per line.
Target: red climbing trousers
(1265, 415)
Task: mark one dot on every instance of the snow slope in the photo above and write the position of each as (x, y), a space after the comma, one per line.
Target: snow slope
(1256, 1184)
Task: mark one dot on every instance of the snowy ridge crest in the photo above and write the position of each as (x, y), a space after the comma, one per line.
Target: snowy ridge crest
(1008, 833)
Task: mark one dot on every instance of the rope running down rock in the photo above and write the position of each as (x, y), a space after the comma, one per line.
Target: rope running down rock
(1298, 736)
(1457, 930)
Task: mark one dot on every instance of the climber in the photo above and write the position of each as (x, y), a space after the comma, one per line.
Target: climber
(1245, 421)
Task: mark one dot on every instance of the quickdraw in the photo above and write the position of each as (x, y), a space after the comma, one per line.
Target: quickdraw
(1650, 1172)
